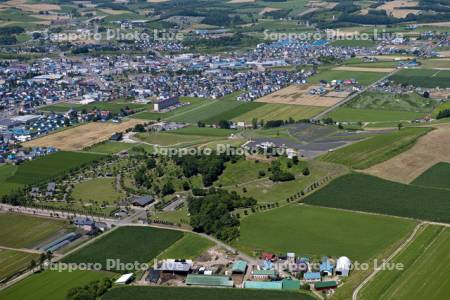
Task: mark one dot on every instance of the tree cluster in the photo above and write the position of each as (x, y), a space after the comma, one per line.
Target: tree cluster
(91, 291)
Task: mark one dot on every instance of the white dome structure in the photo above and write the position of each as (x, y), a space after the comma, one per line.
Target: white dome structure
(343, 266)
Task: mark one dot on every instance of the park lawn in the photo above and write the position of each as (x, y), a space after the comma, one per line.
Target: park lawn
(366, 193)
(100, 190)
(127, 244)
(438, 176)
(272, 111)
(12, 262)
(193, 293)
(374, 150)
(50, 285)
(190, 246)
(347, 114)
(265, 191)
(425, 264)
(423, 78)
(22, 231)
(51, 166)
(364, 78)
(315, 232)
(241, 172)
(412, 102)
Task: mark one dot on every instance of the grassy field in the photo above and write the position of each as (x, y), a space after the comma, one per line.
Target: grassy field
(272, 111)
(129, 244)
(173, 293)
(7, 171)
(443, 106)
(247, 170)
(376, 149)
(372, 194)
(50, 166)
(412, 102)
(190, 246)
(426, 264)
(50, 285)
(13, 261)
(315, 232)
(423, 78)
(21, 231)
(113, 107)
(364, 78)
(354, 43)
(101, 190)
(346, 114)
(172, 139)
(204, 131)
(109, 147)
(438, 176)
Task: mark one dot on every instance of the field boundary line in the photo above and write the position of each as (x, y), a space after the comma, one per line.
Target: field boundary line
(394, 254)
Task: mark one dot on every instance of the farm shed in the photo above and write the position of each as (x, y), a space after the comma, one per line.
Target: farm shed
(291, 284)
(343, 266)
(239, 266)
(125, 279)
(312, 276)
(209, 280)
(179, 267)
(325, 285)
(263, 274)
(153, 276)
(266, 285)
(143, 201)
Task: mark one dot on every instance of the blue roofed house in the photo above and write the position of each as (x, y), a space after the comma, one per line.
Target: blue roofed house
(326, 268)
(312, 276)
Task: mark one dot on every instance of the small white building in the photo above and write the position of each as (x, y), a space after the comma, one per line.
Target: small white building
(125, 279)
(343, 266)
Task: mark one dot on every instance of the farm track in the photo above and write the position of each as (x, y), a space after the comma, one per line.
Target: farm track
(406, 243)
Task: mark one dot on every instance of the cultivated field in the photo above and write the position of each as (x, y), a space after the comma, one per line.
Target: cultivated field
(432, 148)
(82, 136)
(129, 244)
(21, 231)
(362, 69)
(190, 246)
(299, 95)
(25, 6)
(376, 149)
(424, 78)
(50, 285)
(51, 166)
(314, 231)
(395, 8)
(346, 114)
(371, 194)
(174, 293)
(280, 112)
(12, 262)
(426, 262)
(437, 176)
(363, 78)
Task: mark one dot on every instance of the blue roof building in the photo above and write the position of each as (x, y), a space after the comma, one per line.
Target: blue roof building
(312, 276)
(326, 268)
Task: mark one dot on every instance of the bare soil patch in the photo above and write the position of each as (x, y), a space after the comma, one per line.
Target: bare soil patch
(35, 8)
(394, 8)
(82, 136)
(432, 148)
(299, 95)
(267, 10)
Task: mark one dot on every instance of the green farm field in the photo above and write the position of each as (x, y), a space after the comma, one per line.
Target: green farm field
(426, 264)
(129, 244)
(346, 114)
(371, 194)
(374, 150)
(51, 166)
(50, 285)
(101, 190)
(7, 171)
(174, 293)
(190, 246)
(12, 262)
(271, 111)
(172, 139)
(114, 107)
(109, 147)
(423, 78)
(364, 78)
(316, 231)
(22, 231)
(438, 176)
(203, 131)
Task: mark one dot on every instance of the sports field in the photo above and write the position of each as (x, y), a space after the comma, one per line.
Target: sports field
(314, 231)
(438, 176)
(371, 194)
(272, 111)
(174, 293)
(375, 149)
(423, 78)
(127, 244)
(51, 166)
(426, 265)
(50, 285)
(13, 261)
(364, 78)
(190, 246)
(22, 231)
(80, 137)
